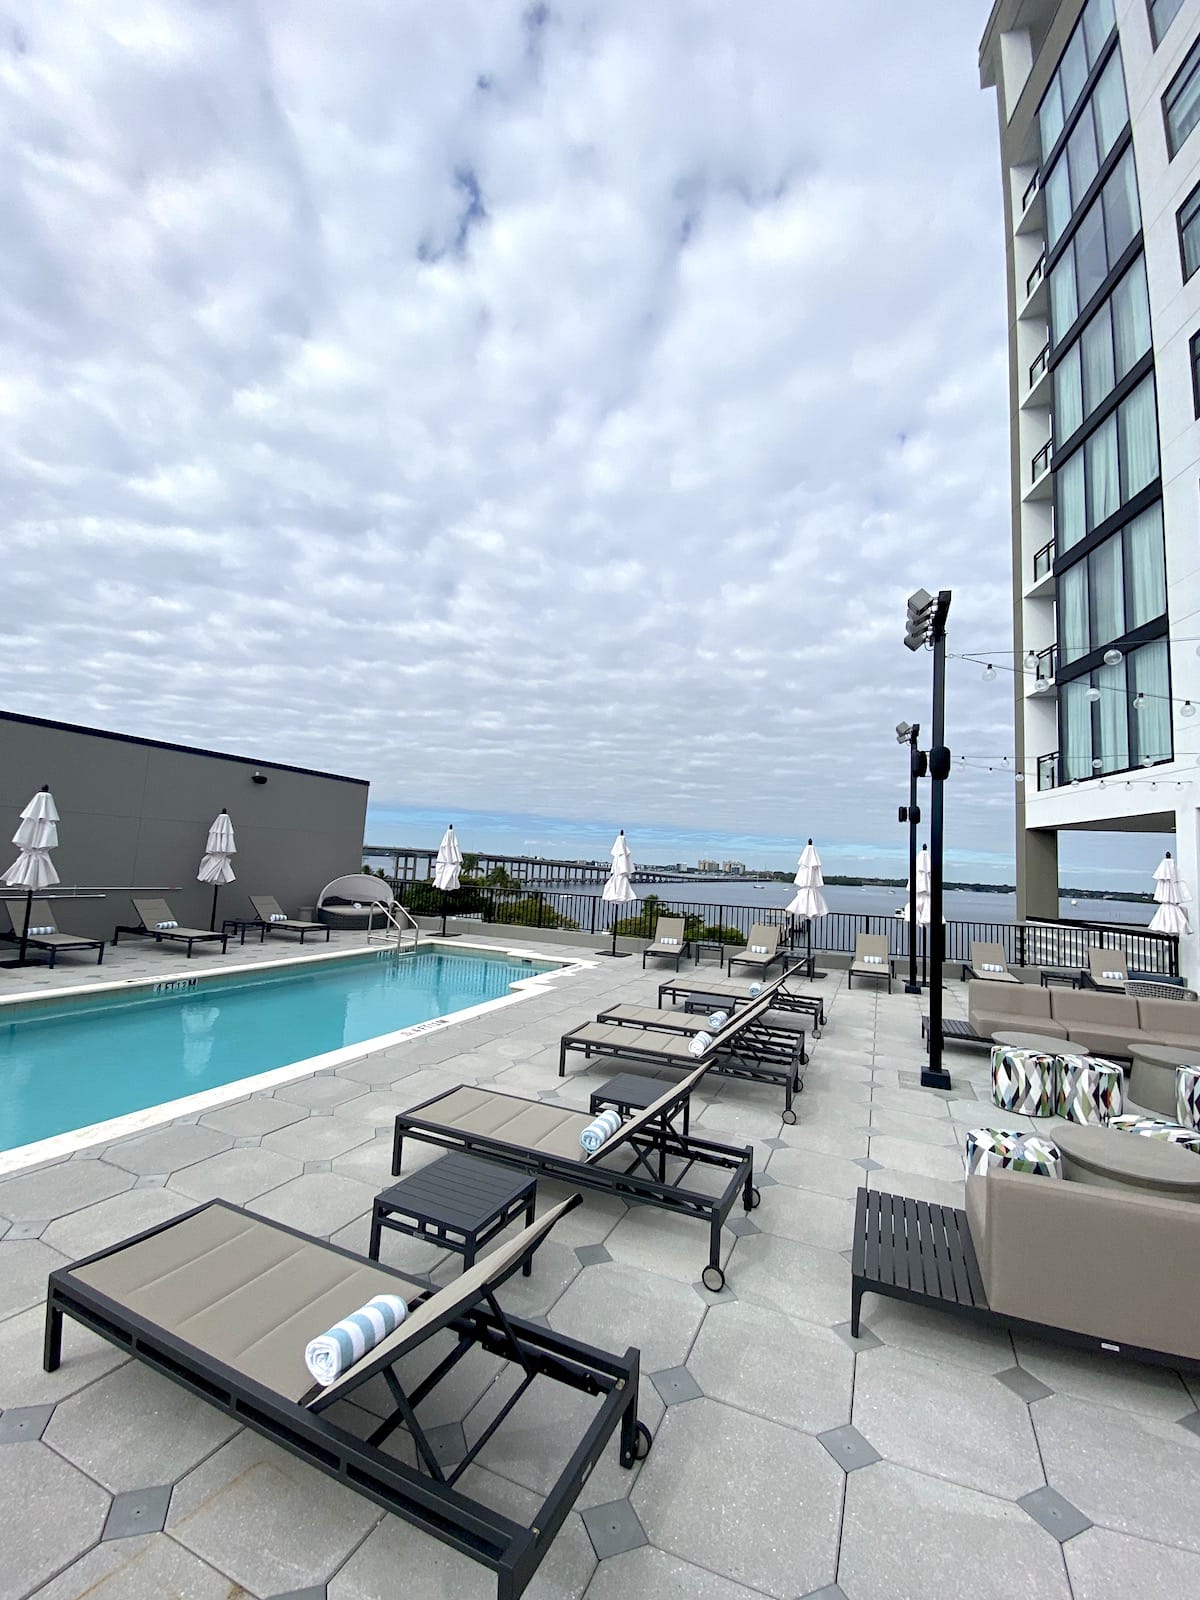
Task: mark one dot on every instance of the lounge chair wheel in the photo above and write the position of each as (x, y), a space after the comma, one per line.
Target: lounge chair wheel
(789, 1117)
(642, 1441)
(713, 1278)
(755, 1200)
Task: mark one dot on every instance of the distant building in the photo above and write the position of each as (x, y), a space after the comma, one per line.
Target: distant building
(1100, 158)
(708, 866)
(735, 867)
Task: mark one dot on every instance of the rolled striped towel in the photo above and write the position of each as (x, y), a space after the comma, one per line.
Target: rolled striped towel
(699, 1043)
(600, 1130)
(348, 1341)
(755, 990)
(717, 1020)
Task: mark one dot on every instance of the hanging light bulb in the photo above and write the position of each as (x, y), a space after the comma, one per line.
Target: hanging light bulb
(1113, 658)
(1096, 763)
(1093, 694)
(989, 673)
(1018, 777)
(1139, 702)
(1031, 658)
(1187, 709)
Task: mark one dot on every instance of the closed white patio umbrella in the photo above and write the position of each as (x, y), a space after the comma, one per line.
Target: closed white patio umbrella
(36, 836)
(447, 868)
(1171, 893)
(618, 890)
(808, 901)
(215, 865)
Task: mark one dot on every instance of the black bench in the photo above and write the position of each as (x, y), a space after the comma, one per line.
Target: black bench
(954, 1031)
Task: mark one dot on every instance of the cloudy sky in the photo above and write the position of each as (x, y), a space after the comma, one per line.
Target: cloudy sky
(540, 410)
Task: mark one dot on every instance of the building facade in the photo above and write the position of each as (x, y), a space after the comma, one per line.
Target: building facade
(1099, 111)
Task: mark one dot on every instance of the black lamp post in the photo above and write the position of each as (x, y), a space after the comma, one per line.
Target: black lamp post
(909, 733)
(927, 626)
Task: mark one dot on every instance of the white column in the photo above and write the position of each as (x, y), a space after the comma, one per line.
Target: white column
(1187, 857)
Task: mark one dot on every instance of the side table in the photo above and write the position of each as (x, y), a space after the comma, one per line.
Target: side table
(633, 1091)
(708, 944)
(1067, 977)
(239, 925)
(458, 1202)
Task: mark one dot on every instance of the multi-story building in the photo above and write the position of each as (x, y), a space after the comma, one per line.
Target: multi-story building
(708, 866)
(1099, 104)
(735, 868)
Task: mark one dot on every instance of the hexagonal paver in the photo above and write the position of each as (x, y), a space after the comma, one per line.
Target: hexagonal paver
(113, 1220)
(54, 1191)
(604, 1304)
(650, 1572)
(134, 1428)
(271, 1522)
(24, 1265)
(179, 1144)
(1103, 1564)
(721, 1488)
(254, 1117)
(85, 1357)
(318, 1202)
(151, 1567)
(797, 1279)
(906, 1535)
(320, 1093)
(237, 1175)
(52, 1513)
(761, 1361)
(318, 1138)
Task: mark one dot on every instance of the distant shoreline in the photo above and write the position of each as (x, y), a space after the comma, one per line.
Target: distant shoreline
(960, 887)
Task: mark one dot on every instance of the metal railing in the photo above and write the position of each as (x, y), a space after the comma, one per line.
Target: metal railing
(1042, 943)
(1046, 664)
(1039, 363)
(1041, 461)
(1043, 561)
(392, 929)
(1048, 771)
(1037, 274)
(1031, 189)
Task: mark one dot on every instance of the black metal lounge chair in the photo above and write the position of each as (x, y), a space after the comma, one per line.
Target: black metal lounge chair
(274, 919)
(224, 1302)
(51, 938)
(646, 1162)
(158, 922)
(762, 948)
(731, 994)
(746, 1047)
(670, 941)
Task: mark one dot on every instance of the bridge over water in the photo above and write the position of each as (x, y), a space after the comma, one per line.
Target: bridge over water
(409, 863)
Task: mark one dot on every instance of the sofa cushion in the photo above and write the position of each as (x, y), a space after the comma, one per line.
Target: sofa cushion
(1016, 1006)
(1159, 1018)
(1112, 1011)
(1098, 1261)
(1101, 1041)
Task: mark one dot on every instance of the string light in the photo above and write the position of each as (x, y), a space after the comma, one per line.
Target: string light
(989, 673)
(1139, 702)
(1113, 658)
(1187, 709)
(1093, 694)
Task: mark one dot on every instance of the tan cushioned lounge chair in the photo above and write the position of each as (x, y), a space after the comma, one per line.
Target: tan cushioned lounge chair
(152, 912)
(761, 950)
(871, 960)
(989, 963)
(670, 940)
(1108, 969)
(275, 919)
(42, 916)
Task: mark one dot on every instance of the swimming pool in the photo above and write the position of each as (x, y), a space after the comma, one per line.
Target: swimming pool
(71, 1063)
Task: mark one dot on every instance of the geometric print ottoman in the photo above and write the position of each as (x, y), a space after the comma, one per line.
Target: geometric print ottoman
(1023, 1081)
(1022, 1152)
(1187, 1096)
(1158, 1128)
(1088, 1089)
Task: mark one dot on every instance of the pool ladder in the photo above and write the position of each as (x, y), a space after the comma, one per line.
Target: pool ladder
(393, 930)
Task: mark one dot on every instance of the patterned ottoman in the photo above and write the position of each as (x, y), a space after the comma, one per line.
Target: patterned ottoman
(1187, 1096)
(1023, 1152)
(1088, 1089)
(1023, 1080)
(1158, 1128)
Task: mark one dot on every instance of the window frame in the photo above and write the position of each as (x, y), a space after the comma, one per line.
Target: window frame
(1189, 68)
(1156, 38)
(1194, 354)
(1193, 200)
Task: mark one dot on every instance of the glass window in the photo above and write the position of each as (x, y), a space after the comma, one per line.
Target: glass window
(1103, 475)
(1106, 591)
(1073, 70)
(1091, 261)
(1181, 103)
(1150, 681)
(1057, 189)
(1082, 159)
(1109, 105)
(1122, 217)
(1194, 349)
(1162, 15)
(1072, 595)
(1076, 735)
(1130, 318)
(1070, 514)
(1068, 395)
(1139, 439)
(1112, 718)
(1050, 116)
(1189, 233)
(1096, 352)
(1064, 302)
(1145, 578)
(1098, 23)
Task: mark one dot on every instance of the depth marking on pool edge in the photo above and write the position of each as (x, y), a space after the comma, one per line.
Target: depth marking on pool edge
(173, 986)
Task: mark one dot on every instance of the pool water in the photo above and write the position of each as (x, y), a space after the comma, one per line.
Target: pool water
(70, 1064)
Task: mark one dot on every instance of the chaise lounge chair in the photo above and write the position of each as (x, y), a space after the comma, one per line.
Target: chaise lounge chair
(646, 1162)
(761, 951)
(730, 994)
(1108, 969)
(45, 934)
(745, 1047)
(871, 960)
(158, 922)
(988, 963)
(670, 941)
(272, 918)
(224, 1302)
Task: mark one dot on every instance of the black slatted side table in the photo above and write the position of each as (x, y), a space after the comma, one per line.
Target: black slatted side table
(458, 1202)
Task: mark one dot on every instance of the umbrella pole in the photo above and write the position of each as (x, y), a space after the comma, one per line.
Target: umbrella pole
(443, 895)
(212, 921)
(614, 943)
(25, 929)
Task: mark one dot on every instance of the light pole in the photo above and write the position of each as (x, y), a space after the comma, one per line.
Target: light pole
(909, 733)
(927, 626)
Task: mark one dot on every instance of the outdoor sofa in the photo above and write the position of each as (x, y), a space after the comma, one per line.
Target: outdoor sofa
(761, 951)
(356, 900)
(272, 918)
(223, 1302)
(1101, 1269)
(1108, 1024)
(724, 994)
(871, 960)
(745, 1047)
(670, 941)
(158, 922)
(647, 1161)
(45, 934)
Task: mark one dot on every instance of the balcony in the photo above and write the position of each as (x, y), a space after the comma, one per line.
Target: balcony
(1038, 394)
(1041, 485)
(1037, 295)
(1033, 206)
(1048, 771)
(1045, 669)
(1042, 586)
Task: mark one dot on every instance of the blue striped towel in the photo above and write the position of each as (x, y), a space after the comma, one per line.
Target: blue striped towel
(600, 1130)
(755, 990)
(328, 1356)
(717, 1020)
(699, 1043)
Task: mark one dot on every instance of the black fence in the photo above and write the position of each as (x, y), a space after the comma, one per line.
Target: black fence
(1025, 944)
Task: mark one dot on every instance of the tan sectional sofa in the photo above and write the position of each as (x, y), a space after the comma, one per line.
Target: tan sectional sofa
(1107, 1263)
(1104, 1023)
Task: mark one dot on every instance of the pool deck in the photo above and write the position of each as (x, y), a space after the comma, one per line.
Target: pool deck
(789, 1460)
